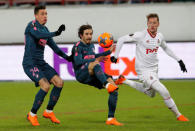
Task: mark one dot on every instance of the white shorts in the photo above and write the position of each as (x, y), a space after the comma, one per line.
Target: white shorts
(148, 78)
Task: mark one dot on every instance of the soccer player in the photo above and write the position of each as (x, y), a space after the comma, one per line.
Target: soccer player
(36, 37)
(88, 70)
(146, 63)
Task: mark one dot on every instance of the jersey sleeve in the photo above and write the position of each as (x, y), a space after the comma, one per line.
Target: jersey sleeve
(55, 48)
(78, 57)
(40, 35)
(167, 50)
(103, 54)
(127, 38)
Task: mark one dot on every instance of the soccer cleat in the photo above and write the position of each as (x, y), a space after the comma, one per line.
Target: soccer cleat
(120, 80)
(33, 120)
(111, 88)
(113, 121)
(51, 116)
(182, 118)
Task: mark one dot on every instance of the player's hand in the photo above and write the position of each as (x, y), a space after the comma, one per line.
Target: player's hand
(101, 59)
(113, 59)
(112, 48)
(60, 29)
(182, 66)
(70, 58)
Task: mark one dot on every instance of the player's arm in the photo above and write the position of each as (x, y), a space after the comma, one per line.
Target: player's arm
(78, 57)
(108, 52)
(103, 54)
(45, 35)
(56, 49)
(119, 45)
(169, 52)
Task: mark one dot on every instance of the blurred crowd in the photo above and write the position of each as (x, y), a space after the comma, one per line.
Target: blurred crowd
(10, 3)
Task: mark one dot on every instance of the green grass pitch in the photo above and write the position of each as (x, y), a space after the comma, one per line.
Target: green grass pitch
(82, 108)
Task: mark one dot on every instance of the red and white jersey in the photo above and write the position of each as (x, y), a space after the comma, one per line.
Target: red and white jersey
(146, 49)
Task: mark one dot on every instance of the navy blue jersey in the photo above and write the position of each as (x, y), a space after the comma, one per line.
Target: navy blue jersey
(36, 37)
(84, 54)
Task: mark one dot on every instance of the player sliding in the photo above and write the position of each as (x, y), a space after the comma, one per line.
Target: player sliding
(146, 62)
(36, 37)
(88, 70)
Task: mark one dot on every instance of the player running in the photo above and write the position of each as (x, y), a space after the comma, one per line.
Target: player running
(36, 37)
(146, 62)
(88, 70)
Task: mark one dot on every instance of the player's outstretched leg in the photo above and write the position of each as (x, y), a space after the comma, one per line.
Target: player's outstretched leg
(136, 85)
(32, 116)
(54, 96)
(112, 102)
(162, 90)
(102, 78)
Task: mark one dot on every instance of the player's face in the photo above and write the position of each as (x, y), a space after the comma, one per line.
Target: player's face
(153, 24)
(41, 16)
(87, 36)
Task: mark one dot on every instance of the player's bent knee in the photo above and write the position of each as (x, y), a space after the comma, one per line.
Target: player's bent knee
(59, 83)
(45, 87)
(44, 84)
(161, 89)
(91, 67)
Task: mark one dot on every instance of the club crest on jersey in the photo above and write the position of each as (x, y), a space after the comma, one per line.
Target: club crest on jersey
(151, 50)
(147, 41)
(151, 78)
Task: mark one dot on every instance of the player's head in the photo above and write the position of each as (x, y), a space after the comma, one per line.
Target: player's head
(40, 13)
(153, 22)
(85, 33)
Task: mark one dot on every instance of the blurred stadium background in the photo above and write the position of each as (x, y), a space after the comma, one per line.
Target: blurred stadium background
(119, 17)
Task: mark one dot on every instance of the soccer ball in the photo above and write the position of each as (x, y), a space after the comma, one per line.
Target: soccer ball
(105, 40)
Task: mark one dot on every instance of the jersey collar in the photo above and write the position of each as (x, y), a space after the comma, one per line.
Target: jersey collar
(84, 44)
(39, 25)
(153, 36)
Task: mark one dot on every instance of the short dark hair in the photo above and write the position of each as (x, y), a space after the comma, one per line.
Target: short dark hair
(152, 15)
(39, 7)
(82, 28)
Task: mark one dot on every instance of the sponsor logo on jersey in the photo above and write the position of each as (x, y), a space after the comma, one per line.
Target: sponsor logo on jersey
(89, 57)
(151, 50)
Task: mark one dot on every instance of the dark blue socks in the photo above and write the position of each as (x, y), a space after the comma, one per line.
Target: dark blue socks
(100, 74)
(112, 101)
(38, 101)
(54, 96)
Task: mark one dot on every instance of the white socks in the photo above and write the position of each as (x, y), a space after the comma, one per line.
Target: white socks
(172, 106)
(107, 85)
(49, 111)
(110, 118)
(32, 114)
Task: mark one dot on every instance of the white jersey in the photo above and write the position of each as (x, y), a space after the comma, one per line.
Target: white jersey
(146, 58)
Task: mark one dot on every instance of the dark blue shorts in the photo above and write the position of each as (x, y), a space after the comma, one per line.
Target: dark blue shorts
(37, 72)
(84, 77)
